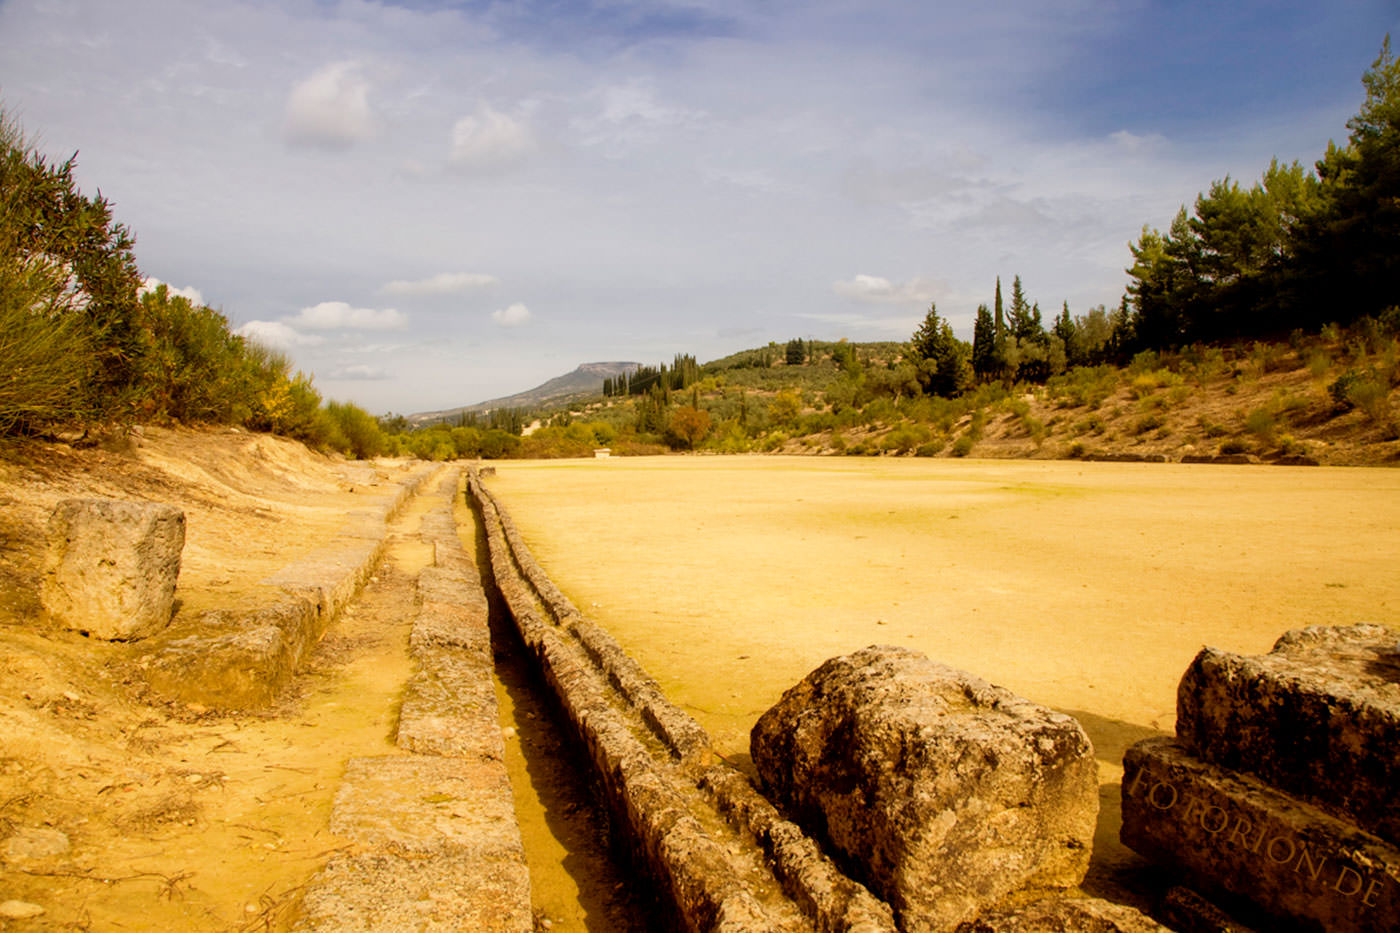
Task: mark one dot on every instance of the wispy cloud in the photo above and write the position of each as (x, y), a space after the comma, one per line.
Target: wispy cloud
(278, 335)
(338, 315)
(444, 283)
(874, 289)
(360, 372)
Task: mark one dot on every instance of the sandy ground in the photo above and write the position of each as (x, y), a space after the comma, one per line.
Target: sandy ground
(173, 818)
(1085, 586)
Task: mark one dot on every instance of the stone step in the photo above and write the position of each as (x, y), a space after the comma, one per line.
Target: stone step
(1318, 717)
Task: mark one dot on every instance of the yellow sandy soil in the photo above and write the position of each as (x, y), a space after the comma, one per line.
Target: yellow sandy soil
(1085, 586)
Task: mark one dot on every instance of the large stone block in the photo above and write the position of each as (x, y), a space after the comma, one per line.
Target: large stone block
(112, 565)
(1238, 837)
(1318, 716)
(940, 791)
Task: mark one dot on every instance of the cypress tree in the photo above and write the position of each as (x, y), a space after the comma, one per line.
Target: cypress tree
(984, 350)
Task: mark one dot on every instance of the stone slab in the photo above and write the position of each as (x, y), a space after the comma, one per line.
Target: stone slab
(943, 791)
(1318, 717)
(1236, 836)
(424, 806)
(449, 706)
(385, 893)
(446, 626)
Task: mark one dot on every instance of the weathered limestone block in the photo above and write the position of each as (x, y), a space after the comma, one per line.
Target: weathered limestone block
(232, 659)
(423, 806)
(111, 566)
(385, 893)
(1059, 914)
(1236, 836)
(449, 706)
(1318, 716)
(943, 792)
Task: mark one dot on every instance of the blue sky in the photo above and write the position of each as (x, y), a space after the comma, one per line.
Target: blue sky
(428, 204)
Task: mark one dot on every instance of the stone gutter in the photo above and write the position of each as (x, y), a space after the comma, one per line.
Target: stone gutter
(720, 853)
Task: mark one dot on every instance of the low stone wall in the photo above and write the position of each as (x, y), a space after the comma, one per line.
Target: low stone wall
(240, 659)
(723, 856)
(437, 844)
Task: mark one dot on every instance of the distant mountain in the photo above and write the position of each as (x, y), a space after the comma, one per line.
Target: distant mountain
(582, 382)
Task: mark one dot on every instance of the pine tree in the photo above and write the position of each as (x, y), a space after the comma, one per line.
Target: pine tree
(939, 356)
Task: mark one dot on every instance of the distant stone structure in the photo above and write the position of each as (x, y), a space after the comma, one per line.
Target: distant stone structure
(946, 793)
(1280, 786)
(111, 566)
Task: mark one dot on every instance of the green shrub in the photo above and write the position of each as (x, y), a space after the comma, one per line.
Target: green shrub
(1262, 423)
(1148, 423)
(963, 446)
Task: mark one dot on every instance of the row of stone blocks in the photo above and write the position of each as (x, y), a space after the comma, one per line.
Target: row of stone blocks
(436, 841)
(962, 806)
(1279, 792)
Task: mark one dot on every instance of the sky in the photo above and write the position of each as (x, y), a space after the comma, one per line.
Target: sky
(430, 203)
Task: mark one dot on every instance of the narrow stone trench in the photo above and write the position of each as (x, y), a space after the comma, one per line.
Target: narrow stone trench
(578, 880)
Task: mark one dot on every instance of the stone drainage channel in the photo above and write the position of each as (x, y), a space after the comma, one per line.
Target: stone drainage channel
(719, 856)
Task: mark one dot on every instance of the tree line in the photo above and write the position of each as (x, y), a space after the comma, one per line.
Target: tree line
(1297, 250)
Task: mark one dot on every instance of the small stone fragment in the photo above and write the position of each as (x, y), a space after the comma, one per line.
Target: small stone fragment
(33, 842)
(19, 910)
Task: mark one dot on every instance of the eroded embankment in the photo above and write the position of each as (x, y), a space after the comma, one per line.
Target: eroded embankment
(720, 853)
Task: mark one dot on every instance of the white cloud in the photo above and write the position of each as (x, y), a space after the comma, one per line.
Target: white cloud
(874, 289)
(337, 315)
(329, 109)
(277, 335)
(444, 283)
(489, 141)
(151, 283)
(514, 316)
